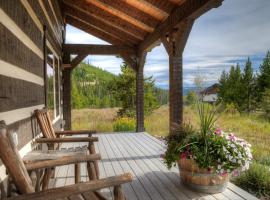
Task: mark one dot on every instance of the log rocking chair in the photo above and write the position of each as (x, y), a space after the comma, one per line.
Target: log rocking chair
(53, 139)
(18, 172)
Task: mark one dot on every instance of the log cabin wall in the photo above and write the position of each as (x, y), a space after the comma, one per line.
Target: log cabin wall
(22, 67)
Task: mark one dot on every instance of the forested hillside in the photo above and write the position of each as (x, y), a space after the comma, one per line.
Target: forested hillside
(91, 88)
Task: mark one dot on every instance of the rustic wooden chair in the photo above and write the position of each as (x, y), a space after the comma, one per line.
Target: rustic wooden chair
(18, 171)
(53, 139)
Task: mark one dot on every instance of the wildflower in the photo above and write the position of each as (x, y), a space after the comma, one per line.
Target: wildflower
(218, 131)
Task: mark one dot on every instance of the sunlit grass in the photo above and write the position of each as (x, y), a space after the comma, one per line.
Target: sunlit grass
(254, 128)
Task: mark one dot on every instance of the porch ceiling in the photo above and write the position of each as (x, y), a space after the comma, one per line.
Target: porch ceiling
(137, 23)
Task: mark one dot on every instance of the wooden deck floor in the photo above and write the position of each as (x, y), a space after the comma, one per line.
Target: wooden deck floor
(139, 153)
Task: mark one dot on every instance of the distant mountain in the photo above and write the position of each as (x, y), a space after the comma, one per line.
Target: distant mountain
(90, 88)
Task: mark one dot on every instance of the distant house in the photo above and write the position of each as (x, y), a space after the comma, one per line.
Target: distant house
(210, 94)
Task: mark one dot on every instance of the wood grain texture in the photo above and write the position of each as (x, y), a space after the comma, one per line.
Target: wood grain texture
(152, 179)
(16, 93)
(13, 51)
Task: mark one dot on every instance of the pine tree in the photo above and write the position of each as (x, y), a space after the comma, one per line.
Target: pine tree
(247, 87)
(124, 87)
(264, 75)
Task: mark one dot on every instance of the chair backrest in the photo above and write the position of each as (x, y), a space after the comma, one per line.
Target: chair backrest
(45, 123)
(13, 162)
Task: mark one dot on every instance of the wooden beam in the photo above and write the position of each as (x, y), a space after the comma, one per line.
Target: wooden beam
(190, 9)
(76, 61)
(133, 12)
(92, 30)
(174, 44)
(178, 2)
(107, 17)
(165, 6)
(96, 49)
(91, 20)
(108, 8)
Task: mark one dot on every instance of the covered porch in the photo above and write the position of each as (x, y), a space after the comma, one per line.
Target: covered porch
(140, 154)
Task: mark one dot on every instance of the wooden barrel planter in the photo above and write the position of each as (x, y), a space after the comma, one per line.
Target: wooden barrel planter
(201, 180)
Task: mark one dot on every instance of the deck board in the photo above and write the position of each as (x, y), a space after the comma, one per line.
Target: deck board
(139, 154)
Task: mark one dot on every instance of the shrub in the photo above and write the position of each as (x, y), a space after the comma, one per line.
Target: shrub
(191, 98)
(124, 124)
(255, 180)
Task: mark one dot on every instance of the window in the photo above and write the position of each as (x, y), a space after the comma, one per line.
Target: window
(53, 85)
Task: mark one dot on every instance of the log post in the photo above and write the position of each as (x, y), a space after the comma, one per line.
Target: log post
(140, 93)
(67, 98)
(174, 44)
(136, 62)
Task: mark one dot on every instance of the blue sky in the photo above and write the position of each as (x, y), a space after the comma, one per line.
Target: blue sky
(220, 38)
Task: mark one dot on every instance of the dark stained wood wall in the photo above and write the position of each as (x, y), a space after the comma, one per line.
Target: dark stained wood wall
(25, 93)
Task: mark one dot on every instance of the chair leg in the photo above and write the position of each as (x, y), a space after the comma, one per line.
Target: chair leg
(91, 171)
(92, 150)
(77, 173)
(46, 179)
(118, 193)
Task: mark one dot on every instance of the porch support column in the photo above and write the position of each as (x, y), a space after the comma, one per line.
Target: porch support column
(136, 62)
(67, 70)
(67, 97)
(140, 93)
(174, 44)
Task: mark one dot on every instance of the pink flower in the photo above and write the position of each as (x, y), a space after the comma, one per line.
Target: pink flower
(162, 155)
(183, 155)
(218, 131)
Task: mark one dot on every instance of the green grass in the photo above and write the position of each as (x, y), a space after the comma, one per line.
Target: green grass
(253, 128)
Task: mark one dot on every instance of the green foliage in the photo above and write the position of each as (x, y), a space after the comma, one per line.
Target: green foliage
(124, 89)
(245, 90)
(255, 180)
(124, 124)
(238, 88)
(90, 88)
(266, 102)
(175, 141)
(191, 98)
(93, 87)
(209, 148)
(264, 75)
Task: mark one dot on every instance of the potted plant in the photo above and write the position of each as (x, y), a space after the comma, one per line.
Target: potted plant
(206, 157)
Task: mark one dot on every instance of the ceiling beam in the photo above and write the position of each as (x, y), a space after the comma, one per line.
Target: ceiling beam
(92, 30)
(149, 7)
(91, 20)
(108, 8)
(95, 49)
(164, 6)
(190, 9)
(133, 12)
(105, 16)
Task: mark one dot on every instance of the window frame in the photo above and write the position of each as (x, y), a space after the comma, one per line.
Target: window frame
(55, 61)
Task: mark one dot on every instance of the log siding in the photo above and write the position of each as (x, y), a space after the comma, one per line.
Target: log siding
(16, 11)
(16, 93)
(13, 51)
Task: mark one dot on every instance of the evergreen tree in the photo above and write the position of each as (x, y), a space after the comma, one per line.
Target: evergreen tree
(247, 87)
(264, 75)
(124, 87)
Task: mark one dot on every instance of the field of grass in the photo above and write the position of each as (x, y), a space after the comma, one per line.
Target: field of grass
(254, 129)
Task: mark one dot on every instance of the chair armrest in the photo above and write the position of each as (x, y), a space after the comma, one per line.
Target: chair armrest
(66, 160)
(79, 132)
(66, 140)
(66, 191)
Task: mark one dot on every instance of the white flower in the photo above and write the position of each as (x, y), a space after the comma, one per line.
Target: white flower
(219, 167)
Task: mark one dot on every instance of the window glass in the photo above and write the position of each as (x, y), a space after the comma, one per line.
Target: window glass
(57, 86)
(50, 84)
